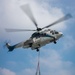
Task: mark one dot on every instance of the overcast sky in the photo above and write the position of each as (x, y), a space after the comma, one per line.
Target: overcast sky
(55, 59)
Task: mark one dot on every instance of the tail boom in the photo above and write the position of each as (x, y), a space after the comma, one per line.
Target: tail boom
(11, 48)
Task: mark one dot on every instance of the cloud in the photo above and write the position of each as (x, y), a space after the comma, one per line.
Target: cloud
(14, 17)
(11, 63)
(4, 71)
(69, 42)
(51, 63)
(54, 64)
(27, 71)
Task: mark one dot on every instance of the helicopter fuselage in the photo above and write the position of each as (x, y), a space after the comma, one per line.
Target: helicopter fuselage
(39, 39)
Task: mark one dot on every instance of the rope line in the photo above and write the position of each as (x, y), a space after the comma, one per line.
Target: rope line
(38, 65)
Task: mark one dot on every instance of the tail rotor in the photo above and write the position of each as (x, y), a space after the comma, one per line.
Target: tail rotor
(5, 43)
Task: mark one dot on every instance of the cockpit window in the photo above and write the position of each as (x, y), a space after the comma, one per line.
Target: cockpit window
(38, 35)
(34, 35)
(56, 32)
(52, 31)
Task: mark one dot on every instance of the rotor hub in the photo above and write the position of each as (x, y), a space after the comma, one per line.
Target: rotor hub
(39, 29)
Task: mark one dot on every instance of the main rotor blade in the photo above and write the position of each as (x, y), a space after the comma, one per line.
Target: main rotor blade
(66, 17)
(18, 30)
(27, 10)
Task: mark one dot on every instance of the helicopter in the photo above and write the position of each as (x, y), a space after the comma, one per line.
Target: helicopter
(40, 37)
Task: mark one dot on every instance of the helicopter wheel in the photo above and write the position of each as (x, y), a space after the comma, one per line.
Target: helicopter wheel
(37, 50)
(55, 42)
(30, 45)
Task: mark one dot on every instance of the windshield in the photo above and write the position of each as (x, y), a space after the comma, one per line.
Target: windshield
(35, 35)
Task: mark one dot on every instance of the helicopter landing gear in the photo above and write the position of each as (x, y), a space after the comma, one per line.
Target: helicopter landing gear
(37, 49)
(55, 41)
(30, 45)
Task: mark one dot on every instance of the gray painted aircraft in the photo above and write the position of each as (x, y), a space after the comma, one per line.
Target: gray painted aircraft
(40, 37)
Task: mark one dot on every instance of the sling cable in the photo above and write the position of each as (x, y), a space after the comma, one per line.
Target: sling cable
(38, 65)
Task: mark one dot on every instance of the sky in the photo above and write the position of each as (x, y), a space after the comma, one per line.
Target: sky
(55, 59)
